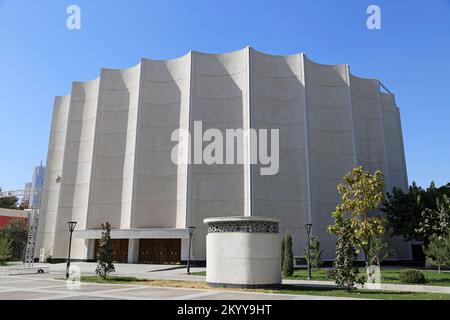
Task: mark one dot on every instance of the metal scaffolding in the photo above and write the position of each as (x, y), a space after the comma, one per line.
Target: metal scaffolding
(32, 237)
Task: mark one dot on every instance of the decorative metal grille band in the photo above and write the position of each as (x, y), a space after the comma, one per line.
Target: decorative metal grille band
(244, 226)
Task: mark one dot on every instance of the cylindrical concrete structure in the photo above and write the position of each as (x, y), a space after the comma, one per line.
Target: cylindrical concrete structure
(243, 252)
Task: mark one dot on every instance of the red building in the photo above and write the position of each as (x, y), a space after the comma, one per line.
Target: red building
(6, 215)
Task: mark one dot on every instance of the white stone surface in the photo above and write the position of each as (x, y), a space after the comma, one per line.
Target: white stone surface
(243, 258)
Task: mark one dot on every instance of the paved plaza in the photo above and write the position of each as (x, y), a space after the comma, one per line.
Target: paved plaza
(46, 287)
(49, 287)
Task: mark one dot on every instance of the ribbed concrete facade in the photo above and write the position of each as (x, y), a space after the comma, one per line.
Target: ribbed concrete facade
(111, 146)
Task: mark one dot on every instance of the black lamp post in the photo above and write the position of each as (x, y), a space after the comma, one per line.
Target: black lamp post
(72, 225)
(308, 227)
(191, 232)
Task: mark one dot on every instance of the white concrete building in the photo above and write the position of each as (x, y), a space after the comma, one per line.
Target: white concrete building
(109, 156)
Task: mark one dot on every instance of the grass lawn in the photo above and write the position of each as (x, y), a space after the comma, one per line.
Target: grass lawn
(432, 277)
(286, 289)
(110, 279)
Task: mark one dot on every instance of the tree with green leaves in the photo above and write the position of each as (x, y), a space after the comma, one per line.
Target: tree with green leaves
(404, 210)
(435, 221)
(105, 253)
(8, 202)
(316, 254)
(16, 231)
(5, 248)
(283, 250)
(288, 261)
(438, 250)
(361, 194)
(345, 270)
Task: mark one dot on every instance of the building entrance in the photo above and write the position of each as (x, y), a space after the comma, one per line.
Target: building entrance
(120, 249)
(159, 251)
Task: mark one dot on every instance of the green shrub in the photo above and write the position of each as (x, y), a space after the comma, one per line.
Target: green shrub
(411, 276)
(288, 261)
(5, 248)
(316, 254)
(105, 253)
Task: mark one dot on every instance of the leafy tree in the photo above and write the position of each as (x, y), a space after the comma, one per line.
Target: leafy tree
(283, 250)
(316, 254)
(361, 193)
(345, 272)
(444, 190)
(288, 261)
(16, 231)
(105, 253)
(438, 250)
(5, 248)
(435, 221)
(405, 209)
(8, 202)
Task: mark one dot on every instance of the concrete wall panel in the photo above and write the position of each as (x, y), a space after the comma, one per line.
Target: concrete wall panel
(394, 143)
(331, 144)
(51, 188)
(160, 186)
(114, 152)
(368, 124)
(278, 102)
(75, 182)
(219, 99)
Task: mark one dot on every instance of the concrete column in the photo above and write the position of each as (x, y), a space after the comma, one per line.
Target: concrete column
(133, 250)
(306, 133)
(248, 126)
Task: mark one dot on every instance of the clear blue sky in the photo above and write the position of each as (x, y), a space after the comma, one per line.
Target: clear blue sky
(40, 58)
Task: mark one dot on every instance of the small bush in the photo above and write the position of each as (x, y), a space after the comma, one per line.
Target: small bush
(411, 276)
(5, 249)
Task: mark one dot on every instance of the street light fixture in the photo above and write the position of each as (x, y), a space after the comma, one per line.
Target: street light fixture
(308, 228)
(71, 225)
(191, 232)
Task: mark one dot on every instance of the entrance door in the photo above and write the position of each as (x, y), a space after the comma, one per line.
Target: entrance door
(159, 251)
(120, 250)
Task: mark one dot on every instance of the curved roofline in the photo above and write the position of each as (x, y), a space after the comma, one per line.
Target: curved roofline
(222, 54)
(167, 60)
(325, 65)
(364, 78)
(64, 96)
(277, 55)
(85, 82)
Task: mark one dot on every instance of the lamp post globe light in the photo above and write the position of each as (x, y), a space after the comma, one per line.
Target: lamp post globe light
(191, 232)
(308, 228)
(71, 225)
